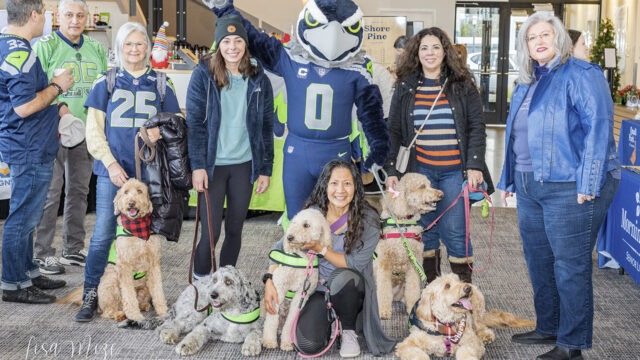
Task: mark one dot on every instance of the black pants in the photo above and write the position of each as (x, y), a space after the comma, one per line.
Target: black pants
(314, 326)
(233, 183)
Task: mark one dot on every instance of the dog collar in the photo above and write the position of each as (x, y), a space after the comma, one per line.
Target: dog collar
(408, 235)
(246, 318)
(392, 222)
(291, 260)
(113, 256)
(453, 331)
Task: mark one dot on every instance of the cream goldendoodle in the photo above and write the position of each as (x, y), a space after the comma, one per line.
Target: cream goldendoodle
(394, 271)
(132, 278)
(450, 320)
(308, 225)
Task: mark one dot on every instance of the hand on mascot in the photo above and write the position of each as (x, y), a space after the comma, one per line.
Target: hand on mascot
(217, 6)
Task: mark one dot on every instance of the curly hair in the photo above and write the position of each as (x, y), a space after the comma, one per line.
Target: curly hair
(319, 198)
(452, 68)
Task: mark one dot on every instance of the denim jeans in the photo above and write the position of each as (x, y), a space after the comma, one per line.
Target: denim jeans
(29, 184)
(103, 233)
(558, 236)
(451, 227)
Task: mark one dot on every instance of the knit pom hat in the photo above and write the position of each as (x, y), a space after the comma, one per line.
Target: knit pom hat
(161, 38)
(230, 25)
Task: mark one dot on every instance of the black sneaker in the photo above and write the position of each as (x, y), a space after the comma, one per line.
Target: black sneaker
(30, 295)
(49, 265)
(89, 308)
(44, 283)
(76, 258)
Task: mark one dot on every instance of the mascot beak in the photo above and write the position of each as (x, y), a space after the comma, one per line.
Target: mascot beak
(330, 41)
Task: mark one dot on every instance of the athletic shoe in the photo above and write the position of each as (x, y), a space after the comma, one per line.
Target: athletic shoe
(49, 265)
(349, 346)
(75, 258)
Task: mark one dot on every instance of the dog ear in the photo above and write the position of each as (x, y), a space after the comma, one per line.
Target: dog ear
(147, 205)
(116, 200)
(477, 301)
(424, 305)
(325, 236)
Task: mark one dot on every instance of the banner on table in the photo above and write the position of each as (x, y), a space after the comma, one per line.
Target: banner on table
(5, 181)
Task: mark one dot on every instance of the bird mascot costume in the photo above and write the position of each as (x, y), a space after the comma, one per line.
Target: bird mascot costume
(325, 74)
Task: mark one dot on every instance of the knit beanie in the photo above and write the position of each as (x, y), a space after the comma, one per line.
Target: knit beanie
(230, 25)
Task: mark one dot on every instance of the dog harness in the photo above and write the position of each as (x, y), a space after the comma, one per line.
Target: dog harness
(139, 227)
(113, 256)
(246, 318)
(291, 260)
(410, 235)
(452, 332)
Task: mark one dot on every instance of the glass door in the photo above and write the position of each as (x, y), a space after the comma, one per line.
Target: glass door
(479, 29)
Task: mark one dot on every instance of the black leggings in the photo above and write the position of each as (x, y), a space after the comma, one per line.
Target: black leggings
(232, 182)
(347, 295)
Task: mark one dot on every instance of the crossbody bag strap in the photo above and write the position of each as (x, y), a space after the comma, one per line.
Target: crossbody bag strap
(428, 114)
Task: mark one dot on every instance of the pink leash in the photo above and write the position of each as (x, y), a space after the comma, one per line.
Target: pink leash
(305, 288)
(465, 193)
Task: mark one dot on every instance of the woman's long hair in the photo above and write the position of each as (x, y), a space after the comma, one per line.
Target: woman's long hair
(319, 198)
(451, 67)
(218, 67)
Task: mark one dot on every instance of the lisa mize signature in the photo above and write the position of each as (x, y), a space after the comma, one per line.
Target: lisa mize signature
(69, 349)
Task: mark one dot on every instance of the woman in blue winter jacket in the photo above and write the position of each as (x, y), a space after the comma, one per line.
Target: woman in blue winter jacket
(561, 161)
(230, 136)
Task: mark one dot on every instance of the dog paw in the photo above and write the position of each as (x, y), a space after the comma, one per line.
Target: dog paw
(251, 348)
(145, 307)
(385, 314)
(286, 345)
(270, 343)
(487, 336)
(168, 336)
(186, 348)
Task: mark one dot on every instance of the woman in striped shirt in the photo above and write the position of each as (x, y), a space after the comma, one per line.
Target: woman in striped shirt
(449, 149)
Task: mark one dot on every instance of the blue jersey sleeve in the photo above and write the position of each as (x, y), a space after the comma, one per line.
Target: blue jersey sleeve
(23, 81)
(98, 97)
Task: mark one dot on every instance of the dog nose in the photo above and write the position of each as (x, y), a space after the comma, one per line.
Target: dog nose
(131, 204)
(290, 237)
(214, 295)
(467, 290)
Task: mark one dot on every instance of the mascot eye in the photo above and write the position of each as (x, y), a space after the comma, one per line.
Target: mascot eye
(355, 27)
(310, 20)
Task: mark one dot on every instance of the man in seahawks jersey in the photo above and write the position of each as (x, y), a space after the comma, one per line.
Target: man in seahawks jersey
(69, 48)
(28, 144)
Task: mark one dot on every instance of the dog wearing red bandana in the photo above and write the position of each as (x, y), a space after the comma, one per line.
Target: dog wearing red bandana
(132, 277)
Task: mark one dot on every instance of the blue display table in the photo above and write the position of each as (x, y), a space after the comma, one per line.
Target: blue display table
(620, 235)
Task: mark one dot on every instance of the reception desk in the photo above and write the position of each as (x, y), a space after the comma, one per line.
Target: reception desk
(620, 236)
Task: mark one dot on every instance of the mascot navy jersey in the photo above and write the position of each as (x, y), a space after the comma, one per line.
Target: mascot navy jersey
(132, 102)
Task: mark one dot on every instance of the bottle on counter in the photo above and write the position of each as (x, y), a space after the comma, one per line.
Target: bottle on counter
(96, 16)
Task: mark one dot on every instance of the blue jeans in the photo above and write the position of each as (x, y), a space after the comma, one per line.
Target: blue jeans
(29, 184)
(451, 227)
(103, 233)
(558, 236)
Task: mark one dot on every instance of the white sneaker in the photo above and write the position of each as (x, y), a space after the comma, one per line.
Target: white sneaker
(349, 346)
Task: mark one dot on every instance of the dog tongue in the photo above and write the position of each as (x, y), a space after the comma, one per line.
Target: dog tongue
(133, 212)
(466, 303)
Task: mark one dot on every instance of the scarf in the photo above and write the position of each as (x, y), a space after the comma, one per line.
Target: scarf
(539, 70)
(138, 227)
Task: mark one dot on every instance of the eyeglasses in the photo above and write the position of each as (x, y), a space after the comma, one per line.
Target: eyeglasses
(129, 45)
(69, 16)
(544, 37)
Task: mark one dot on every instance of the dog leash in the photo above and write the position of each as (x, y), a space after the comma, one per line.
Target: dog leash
(139, 152)
(311, 255)
(464, 193)
(195, 245)
(374, 170)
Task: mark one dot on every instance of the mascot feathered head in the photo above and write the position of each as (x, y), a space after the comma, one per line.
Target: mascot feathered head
(330, 30)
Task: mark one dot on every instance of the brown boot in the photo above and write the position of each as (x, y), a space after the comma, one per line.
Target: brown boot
(463, 270)
(431, 264)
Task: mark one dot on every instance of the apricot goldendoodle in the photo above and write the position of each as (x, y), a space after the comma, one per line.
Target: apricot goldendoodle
(395, 273)
(308, 225)
(133, 278)
(450, 320)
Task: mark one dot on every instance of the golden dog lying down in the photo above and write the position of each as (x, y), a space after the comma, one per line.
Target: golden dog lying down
(450, 320)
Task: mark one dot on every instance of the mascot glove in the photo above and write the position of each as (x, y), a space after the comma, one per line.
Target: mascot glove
(375, 160)
(218, 6)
